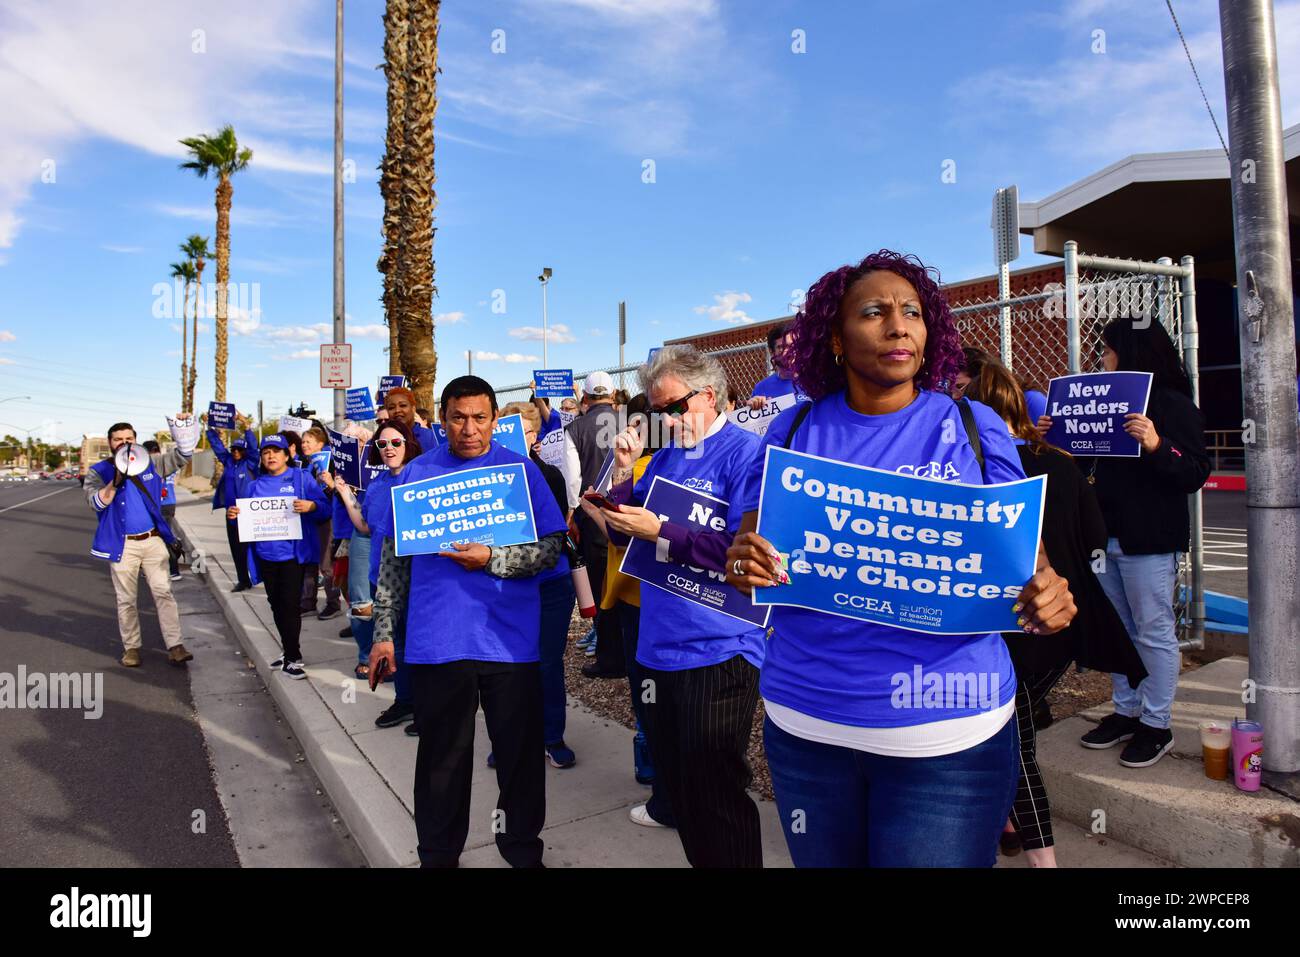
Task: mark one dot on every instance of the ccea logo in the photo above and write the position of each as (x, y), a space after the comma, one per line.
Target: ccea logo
(74, 910)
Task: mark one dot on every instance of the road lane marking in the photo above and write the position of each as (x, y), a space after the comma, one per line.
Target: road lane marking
(37, 499)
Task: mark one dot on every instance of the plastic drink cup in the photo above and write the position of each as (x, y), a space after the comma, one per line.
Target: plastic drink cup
(1247, 754)
(1216, 742)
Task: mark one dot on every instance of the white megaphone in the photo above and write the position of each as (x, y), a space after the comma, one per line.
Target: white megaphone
(131, 459)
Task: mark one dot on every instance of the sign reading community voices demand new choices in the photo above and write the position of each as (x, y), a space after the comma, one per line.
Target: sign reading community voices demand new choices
(490, 505)
(919, 554)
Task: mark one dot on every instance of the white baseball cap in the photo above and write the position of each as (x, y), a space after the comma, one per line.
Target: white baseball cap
(598, 383)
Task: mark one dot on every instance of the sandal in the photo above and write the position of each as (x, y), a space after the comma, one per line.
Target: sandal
(362, 671)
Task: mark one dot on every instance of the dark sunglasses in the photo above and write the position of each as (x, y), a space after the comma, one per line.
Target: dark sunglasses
(678, 407)
(385, 443)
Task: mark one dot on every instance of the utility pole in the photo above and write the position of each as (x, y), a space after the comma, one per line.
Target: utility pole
(622, 340)
(545, 279)
(469, 360)
(1257, 171)
(340, 333)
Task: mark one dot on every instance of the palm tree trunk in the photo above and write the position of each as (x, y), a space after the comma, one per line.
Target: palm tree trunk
(396, 43)
(194, 345)
(416, 270)
(185, 345)
(224, 193)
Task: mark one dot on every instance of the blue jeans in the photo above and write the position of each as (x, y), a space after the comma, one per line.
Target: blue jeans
(846, 808)
(1141, 587)
(363, 629)
(557, 608)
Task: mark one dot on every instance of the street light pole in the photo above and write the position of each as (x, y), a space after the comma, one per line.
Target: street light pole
(1257, 172)
(340, 333)
(545, 279)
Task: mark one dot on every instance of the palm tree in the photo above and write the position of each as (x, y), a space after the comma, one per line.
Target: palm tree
(416, 178)
(219, 154)
(196, 250)
(185, 270)
(396, 40)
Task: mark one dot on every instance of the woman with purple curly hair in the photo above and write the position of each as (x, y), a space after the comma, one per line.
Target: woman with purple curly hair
(865, 776)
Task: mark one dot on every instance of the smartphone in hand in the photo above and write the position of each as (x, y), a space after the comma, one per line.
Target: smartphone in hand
(378, 672)
(597, 499)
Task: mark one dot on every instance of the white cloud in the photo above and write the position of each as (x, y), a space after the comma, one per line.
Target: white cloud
(7, 336)
(374, 331)
(595, 332)
(558, 332)
(121, 249)
(448, 318)
(239, 215)
(725, 308)
(300, 354)
(508, 357)
(7, 362)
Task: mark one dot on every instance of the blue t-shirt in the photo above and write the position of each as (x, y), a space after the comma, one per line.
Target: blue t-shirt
(774, 386)
(136, 519)
(377, 510)
(459, 615)
(342, 525)
(1037, 404)
(677, 634)
(842, 670)
(552, 423)
(297, 484)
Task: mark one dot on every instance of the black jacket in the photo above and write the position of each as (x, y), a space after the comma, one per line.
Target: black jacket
(1144, 500)
(1073, 534)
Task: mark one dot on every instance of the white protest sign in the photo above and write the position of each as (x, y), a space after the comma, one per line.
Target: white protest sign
(291, 423)
(185, 432)
(757, 420)
(268, 519)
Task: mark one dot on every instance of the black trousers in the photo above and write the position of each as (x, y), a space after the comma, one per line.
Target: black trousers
(283, 581)
(238, 553)
(699, 725)
(446, 699)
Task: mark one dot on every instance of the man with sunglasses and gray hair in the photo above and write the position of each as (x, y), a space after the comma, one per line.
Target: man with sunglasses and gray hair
(700, 665)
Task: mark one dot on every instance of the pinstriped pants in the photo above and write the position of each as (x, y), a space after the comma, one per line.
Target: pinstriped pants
(699, 725)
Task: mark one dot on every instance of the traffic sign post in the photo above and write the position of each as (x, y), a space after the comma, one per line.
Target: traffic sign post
(336, 365)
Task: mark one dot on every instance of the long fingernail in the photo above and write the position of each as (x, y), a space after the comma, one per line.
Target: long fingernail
(1021, 621)
(1015, 609)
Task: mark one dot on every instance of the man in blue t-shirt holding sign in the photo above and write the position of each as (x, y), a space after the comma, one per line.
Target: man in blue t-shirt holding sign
(473, 618)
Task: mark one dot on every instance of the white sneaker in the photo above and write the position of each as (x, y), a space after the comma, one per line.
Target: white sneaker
(293, 669)
(640, 815)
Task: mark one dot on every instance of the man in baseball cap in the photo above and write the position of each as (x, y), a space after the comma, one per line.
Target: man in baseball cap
(597, 385)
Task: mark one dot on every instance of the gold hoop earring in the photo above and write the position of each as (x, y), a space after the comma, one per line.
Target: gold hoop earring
(839, 358)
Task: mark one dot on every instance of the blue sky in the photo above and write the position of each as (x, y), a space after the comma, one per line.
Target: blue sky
(770, 167)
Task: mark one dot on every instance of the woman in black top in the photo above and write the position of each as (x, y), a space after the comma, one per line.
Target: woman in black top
(1074, 534)
(1144, 503)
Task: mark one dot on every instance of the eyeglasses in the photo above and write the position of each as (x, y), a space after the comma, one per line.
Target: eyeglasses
(385, 443)
(678, 407)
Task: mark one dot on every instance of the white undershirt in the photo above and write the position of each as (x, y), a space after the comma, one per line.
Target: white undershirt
(914, 741)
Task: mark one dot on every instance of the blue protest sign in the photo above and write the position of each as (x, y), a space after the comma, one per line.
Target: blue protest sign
(1088, 412)
(650, 356)
(387, 382)
(221, 415)
(509, 432)
(554, 383)
(359, 407)
(320, 462)
(694, 510)
(490, 505)
(606, 472)
(919, 554)
(345, 452)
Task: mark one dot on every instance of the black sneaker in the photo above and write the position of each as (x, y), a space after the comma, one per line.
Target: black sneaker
(395, 714)
(328, 612)
(346, 632)
(1113, 729)
(412, 731)
(1148, 746)
(278, 663)
(293, 669)
(241, 587)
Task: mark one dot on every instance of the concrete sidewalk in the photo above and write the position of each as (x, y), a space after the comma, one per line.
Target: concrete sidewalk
(368, 771)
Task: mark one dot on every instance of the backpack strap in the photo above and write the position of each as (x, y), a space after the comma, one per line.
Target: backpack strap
(799, 416)
(972, 432)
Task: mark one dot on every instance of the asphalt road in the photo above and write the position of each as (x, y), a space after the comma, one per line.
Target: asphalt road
(137, 786)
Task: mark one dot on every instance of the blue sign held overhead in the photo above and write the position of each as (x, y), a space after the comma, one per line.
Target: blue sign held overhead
(554, 383)
(918, 554)
(359, 407)
(319, 462)
(387, 382)
(694, 510)
(221, 415)
(1088, 412)
(490, 505)
(650, 357)
(347, 456)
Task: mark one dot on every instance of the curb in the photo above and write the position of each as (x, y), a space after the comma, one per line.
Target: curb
(377, 820)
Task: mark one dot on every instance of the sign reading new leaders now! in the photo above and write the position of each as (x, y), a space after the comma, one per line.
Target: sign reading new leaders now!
(1088, 411)
(695, 510)
(221, 415)
(918, 554)
(489, 505)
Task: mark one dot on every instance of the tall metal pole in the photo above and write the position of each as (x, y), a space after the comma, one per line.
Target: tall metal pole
(340, 333)
(469, 359)
(546, 336)
(622, 340)
(1267, 329)
(1073, 344)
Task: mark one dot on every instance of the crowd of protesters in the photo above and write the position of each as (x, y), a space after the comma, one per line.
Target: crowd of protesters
(882, 380)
